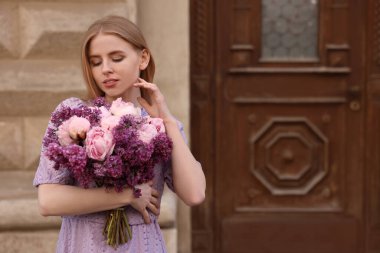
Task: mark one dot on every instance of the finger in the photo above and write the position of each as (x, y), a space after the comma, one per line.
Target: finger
(146, 217)
(142, 84)
(155, 202)
(139, 83)
(149, 86)
(141, 80)
(155, 193)
(153, 209)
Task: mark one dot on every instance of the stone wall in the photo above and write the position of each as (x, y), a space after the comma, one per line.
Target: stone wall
(39, 67)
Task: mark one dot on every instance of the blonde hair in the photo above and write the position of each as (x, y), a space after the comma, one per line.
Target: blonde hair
(124, 29)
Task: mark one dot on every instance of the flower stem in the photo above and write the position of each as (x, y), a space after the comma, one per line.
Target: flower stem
(117, 229)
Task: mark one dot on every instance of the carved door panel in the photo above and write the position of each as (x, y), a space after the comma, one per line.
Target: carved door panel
(282, 85)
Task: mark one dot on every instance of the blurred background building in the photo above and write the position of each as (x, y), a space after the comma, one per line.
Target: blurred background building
(40, 66)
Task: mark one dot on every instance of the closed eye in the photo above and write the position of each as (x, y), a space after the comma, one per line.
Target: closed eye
(94, 64)
(95, 61)
(118, 59)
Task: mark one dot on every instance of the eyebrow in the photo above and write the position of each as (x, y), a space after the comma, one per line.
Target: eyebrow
(110, 53)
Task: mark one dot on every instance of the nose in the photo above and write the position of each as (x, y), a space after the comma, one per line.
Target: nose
(106, 67)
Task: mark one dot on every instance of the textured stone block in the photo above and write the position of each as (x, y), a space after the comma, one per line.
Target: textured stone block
(28, 241)
(34, 130)
(16, 185)
(19, 204)
(8, 30)
(24, 214)
(21, 142)
(51, 30)
(41, 76)
(11, 152)
(18, 103)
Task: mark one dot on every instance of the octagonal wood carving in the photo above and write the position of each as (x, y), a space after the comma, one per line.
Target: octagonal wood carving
(289, 156)
(292, 152)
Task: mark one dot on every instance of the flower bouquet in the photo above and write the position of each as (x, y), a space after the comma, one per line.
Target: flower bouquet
(109, 145)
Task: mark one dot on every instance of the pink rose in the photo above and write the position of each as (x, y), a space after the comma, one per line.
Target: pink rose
(63, 134)
(121, 108)
(104, 112)
(158, 123)
(99, 143)
(109, 122)
(78, 127)
(147, 132)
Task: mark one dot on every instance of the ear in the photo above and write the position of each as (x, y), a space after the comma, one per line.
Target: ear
(144, 59)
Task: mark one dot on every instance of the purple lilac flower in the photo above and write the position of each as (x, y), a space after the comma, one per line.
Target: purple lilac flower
(162, 148)
(55, 153)
(100, 101)
(65, 113)
(77, 160)
(114, 166)
(50, 137)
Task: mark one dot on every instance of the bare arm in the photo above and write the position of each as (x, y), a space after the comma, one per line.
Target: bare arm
(60, 200)
(56, 199)
(188, 177)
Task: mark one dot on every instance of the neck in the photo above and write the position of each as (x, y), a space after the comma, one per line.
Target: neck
(130, 96)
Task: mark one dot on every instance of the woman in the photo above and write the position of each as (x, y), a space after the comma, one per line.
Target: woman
(117, 63)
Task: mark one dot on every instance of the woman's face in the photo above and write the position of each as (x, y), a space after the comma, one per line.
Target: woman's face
(116, 65)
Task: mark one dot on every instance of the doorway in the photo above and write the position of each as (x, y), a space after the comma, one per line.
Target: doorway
(284, 98)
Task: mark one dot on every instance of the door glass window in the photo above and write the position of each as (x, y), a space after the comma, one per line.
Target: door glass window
(289, 29)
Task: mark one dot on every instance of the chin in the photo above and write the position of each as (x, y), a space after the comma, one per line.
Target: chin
(113, 94)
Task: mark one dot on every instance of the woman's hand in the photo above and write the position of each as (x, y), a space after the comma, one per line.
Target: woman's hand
(157, 107)
(148, 199)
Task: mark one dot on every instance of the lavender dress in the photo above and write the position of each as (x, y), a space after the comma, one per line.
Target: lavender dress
(83, 233)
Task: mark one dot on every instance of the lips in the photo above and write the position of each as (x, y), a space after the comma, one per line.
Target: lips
(110, 82)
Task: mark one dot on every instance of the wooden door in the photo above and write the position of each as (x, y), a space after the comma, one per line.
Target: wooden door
(372, 128)
(282, 92)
